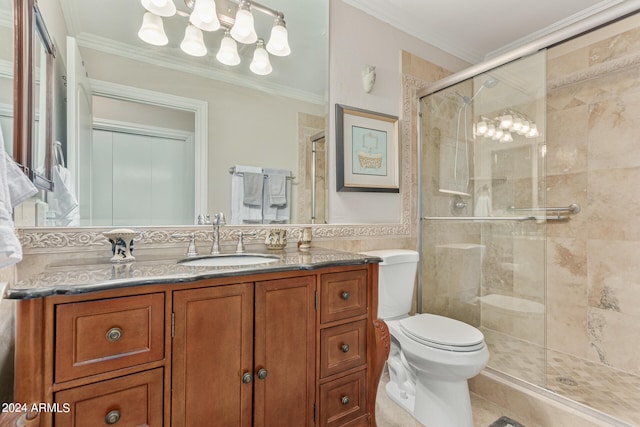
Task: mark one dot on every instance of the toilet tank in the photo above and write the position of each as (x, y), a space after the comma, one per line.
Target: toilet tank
(396, 278)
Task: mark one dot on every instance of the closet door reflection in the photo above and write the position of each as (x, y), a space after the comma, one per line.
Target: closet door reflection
(140, 179)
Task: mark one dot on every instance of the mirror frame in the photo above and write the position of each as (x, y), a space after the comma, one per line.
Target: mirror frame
(29, 27)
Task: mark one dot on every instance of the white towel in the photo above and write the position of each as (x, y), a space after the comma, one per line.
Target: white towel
(15, 188)
(483, 205)
(276, 213)
(277, 188)
(63, 200)
(240, 212)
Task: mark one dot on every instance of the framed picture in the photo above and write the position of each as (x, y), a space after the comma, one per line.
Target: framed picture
(366, 151)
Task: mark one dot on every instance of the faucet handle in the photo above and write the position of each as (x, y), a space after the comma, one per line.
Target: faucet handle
(192, 251)
(241, 235)
(219, 219)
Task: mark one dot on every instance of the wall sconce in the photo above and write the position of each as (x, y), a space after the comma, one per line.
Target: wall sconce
(368, 77)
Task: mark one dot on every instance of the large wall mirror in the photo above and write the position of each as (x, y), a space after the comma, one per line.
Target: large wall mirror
(150, 135)
(32, 116)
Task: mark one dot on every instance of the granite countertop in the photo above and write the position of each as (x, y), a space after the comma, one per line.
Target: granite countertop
(90, 275)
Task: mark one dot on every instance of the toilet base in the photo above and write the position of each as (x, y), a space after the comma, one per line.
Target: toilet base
(403, 399)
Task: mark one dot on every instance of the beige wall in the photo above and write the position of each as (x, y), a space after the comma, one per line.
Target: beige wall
(593, 276)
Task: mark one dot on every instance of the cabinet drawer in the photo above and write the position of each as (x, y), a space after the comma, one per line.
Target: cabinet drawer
(99, 336)
(131, 401)
(343, 347)
(344, 295)
(343, 400)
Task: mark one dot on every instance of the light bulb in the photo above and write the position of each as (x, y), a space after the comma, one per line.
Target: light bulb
(525, 127)
(279, 41)
(260, 64)
(228, 53)
(533, 132)
(160, 7)
(491, 130)
(193, 43)
(152, 30)
(517, 124)
(506, 121)
(506, 137)
(243, 29)
(481, 128)
(204, 15)
(499, 134)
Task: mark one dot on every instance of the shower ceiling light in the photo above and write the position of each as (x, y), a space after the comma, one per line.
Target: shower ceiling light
(205, 17)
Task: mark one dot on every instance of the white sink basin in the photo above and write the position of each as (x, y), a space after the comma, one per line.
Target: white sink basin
(230, 260)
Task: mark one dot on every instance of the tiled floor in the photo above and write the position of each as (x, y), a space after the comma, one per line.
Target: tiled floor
(605, 389)
(388, 414)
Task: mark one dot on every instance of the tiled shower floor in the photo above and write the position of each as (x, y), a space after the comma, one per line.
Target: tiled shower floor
(605, 389)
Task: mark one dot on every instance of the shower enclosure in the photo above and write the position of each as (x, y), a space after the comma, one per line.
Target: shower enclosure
(527, 172)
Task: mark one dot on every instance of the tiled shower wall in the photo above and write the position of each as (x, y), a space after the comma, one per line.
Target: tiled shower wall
(593, 158)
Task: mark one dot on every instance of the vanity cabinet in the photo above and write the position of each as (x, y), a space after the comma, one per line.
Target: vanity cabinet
(255, 366)
(289, 348)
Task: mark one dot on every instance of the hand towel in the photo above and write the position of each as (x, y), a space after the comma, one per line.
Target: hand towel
(252, 185)
(277, 214)
(483, 205)
(63, 200)
(15, 188)
(277, 188)
(240, 212)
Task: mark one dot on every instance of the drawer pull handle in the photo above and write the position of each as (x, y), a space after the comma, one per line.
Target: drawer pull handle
(114, 334)
(247, 378)
(345, 348)
(112, 417)
(262, 374)
(345, 295)
(345, 400)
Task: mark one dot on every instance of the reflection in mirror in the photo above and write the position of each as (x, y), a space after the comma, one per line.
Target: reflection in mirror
(39, 158)
(233, 117)
(6, 76)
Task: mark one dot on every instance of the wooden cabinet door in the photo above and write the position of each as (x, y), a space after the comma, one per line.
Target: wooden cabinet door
(285, 352)
(212, 349)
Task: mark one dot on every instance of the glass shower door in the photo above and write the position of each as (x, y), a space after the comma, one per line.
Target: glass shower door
(482, 229)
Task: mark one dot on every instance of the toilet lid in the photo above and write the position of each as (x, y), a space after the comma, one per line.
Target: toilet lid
(442, 332)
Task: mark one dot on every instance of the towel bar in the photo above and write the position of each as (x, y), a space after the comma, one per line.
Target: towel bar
(232, 171)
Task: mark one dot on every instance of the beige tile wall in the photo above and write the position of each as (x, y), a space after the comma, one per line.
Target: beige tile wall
(593, 276)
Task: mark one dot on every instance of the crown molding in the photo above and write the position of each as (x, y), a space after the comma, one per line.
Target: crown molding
(166, 58)
(556, 26)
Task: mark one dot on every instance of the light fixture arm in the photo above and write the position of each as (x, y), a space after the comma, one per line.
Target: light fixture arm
(254, 5)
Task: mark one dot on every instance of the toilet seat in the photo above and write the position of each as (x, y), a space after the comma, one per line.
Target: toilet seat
(442, 333)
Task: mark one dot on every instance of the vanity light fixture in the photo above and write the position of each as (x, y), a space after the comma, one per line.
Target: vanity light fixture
(260, 64)
(160, 7)
(243, 29)
(152, 30)
(204, 16)
(228, 53)
(503, 127)
(193, 43)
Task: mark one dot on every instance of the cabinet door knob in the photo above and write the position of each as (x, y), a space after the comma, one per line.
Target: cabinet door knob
(345, 348)
(247, 378)
(112, 417)
(345, 400)
(345, 295)
(114, 334)
(262, 374)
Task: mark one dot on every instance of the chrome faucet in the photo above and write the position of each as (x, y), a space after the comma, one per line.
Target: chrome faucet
(218, 220)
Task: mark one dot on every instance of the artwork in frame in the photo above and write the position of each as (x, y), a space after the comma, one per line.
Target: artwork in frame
(366, 151)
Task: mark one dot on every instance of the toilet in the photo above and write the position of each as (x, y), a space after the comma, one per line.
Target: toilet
(431, 356)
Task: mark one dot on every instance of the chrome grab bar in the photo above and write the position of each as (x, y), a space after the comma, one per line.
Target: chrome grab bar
(495, 218)
(573, 208)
